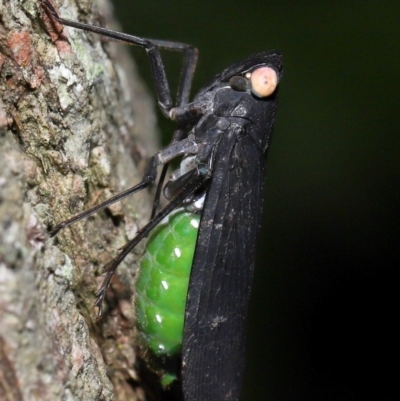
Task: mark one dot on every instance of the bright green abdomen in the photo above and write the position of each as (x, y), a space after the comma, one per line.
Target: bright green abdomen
(162, 283)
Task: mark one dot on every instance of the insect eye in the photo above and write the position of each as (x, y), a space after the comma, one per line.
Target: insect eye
(239, 83)
(263, 80)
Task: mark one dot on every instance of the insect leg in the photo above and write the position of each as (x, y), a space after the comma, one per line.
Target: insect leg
(152, 48)
(198, 178)
(159, 189)
(169, 153)
(178, 135)
(182, 98)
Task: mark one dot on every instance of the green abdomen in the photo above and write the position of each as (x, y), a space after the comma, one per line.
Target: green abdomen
(162, 283)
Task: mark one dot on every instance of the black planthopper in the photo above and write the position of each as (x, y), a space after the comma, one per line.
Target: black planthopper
(195, 280)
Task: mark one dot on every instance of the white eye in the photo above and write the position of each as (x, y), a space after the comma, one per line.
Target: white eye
(263, 80)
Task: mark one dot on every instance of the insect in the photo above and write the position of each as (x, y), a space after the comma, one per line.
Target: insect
(223, 136)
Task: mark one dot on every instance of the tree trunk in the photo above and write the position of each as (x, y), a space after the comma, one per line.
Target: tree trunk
(72, 122)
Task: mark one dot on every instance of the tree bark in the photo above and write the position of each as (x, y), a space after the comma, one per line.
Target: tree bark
(74, 121)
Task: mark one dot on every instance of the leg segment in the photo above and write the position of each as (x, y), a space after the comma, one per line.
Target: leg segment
(150, 175)
(199, 176)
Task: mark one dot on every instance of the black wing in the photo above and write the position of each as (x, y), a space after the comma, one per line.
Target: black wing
(214, 336)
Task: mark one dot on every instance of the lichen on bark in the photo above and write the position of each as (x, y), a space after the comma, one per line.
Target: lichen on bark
(75, 127)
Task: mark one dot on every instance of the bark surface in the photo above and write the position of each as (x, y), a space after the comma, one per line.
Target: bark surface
(76, 126)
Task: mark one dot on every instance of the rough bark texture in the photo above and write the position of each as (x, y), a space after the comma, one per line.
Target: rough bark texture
(71, 120)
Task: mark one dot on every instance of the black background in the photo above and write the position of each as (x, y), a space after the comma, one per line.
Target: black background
(325, 301)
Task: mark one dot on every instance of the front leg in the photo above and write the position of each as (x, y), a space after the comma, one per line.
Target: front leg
(152, 47)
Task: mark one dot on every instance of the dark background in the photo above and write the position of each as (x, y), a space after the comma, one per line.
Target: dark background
(325, 300)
